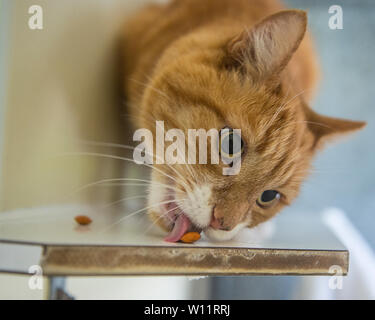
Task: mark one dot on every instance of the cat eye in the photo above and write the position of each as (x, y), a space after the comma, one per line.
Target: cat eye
(231, 144)
(268, 198)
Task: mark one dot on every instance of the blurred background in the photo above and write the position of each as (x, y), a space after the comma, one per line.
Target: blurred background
(60, 85)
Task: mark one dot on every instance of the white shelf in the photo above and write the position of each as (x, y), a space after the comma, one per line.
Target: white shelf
(299, 245)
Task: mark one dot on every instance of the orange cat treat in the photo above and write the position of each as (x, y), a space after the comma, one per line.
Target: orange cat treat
(83, 220)
(190, 237)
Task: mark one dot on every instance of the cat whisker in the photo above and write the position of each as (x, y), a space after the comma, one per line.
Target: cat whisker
(188, 166)
(147, 85)
(284, 105)
(145, 182)
(185, 162)
(103, 155)
(178, 202)
(123, 146)
(122, 184)
(152, 122)
(136, 212)
(301, 121)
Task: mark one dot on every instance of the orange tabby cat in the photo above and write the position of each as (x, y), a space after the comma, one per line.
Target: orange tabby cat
(241, 64)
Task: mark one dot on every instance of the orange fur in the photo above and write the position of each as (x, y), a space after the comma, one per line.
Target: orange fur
(238, 63)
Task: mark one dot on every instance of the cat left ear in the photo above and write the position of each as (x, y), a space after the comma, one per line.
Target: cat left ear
(326, 128)
(267, 48)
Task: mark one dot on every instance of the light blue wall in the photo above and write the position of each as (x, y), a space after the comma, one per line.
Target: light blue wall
(345, 171)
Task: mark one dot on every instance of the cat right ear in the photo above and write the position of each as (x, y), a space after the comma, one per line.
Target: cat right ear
(266, 49)
(326, 128)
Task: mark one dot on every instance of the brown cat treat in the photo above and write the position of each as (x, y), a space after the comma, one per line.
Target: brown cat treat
(83, 220)
(235, 64)
(190, 237)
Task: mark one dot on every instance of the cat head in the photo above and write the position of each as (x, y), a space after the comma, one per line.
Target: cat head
(236, 79)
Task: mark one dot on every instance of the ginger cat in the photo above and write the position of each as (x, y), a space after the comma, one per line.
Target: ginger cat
(245, 64)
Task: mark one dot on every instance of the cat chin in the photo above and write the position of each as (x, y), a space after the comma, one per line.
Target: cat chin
(221, 235)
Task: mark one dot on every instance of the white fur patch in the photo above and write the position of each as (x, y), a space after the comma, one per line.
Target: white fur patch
(221, 235)
(197, 205)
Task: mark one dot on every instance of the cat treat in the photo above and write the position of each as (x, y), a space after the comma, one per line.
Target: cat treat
(190, 237)
(183, 230)
(83, 220)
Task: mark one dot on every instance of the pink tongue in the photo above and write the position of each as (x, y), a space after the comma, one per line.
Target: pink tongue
(180, 227)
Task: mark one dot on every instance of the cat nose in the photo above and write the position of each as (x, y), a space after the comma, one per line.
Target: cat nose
(217, 222)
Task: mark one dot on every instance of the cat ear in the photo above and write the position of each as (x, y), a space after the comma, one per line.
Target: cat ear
(267, 48)
(325, 128)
